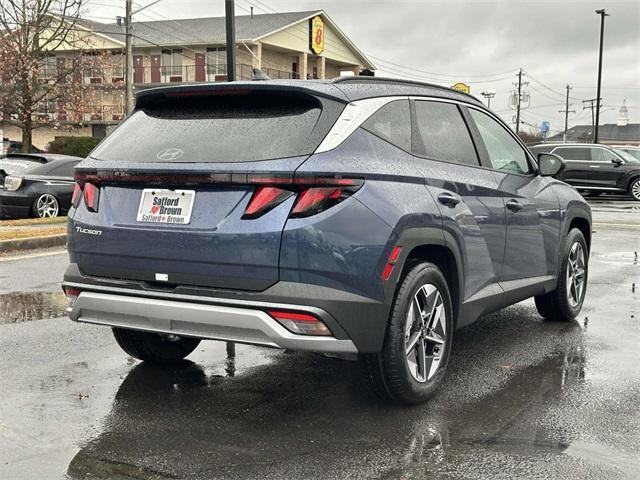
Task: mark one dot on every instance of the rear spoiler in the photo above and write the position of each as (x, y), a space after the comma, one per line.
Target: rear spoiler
(155, 96)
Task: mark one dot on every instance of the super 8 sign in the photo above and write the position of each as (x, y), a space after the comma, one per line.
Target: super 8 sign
(316, 35)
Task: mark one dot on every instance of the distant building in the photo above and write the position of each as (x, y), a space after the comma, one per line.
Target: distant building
(194, 50)
(620, 133)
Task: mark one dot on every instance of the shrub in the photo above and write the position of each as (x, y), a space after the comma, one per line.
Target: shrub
(76, 146)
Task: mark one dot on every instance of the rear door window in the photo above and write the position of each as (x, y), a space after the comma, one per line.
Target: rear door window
(63, 170)
(573, 153)
(217, 129)
(442, 134)
(392, 123)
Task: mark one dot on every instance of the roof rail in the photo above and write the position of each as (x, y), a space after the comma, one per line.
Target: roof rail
(402, 81)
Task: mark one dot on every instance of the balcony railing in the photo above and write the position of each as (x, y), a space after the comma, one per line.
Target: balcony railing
(199, 73)
(90, 113)
(113, 76)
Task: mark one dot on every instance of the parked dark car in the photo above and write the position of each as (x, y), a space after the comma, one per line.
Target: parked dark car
(12, 146)
(595, 169)
(355, 216)
(37, 185)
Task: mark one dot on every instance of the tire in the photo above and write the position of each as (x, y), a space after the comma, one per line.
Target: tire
(46, 206)
(565, 302)
(393, 374)
(153, 347)
(634, 189)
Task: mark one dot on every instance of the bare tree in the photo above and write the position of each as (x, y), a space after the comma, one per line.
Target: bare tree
(39, 89)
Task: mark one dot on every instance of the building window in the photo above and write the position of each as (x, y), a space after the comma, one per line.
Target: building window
(172, 62)
(47, 68)
(216, 61)
(117, 67)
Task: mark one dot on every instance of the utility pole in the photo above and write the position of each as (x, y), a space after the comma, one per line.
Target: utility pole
(519, 101)
(602, 14)
(566, 112)
(591, 106)
(128, 61)
(229, 10)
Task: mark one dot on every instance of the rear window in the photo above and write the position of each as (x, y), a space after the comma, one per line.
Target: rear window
(237, 128)
(18, 166)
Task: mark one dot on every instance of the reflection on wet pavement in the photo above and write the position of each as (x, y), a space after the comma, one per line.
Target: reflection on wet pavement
(325, 416)
(22, 307)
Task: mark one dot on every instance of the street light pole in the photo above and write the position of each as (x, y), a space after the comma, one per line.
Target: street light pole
(229, 10)
(602, 14)
(488, 94)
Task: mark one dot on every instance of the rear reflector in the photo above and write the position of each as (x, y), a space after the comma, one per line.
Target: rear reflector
(391, 261)
(300, 323)
(91, 195)
(265, 199)
(71, 294)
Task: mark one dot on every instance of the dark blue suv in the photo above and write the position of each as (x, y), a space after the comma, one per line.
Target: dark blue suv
(354, 216)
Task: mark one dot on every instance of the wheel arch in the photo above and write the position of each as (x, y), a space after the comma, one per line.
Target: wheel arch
(430, 245)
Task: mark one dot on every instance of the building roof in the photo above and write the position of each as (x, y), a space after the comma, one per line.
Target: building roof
(211, 30)
(609, 132)
(198, 31)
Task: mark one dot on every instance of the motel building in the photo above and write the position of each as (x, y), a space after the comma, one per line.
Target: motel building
(295, 45)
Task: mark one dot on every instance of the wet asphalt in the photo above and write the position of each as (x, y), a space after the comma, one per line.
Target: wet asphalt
(523, 399)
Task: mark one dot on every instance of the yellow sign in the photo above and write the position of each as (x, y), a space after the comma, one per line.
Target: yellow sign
(462, 87)
(316, 39)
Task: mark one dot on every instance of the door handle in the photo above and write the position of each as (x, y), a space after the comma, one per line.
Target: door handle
(448, 199)
(514, 205)
(594, 166)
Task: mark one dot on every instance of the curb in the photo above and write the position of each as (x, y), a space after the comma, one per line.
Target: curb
(32, 243)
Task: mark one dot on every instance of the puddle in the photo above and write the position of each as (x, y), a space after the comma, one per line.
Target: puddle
(23, 307)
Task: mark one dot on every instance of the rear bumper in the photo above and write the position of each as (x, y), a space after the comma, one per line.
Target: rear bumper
(359, 319)
(184, 318)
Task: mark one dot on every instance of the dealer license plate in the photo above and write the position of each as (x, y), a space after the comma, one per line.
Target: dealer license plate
(166, 206)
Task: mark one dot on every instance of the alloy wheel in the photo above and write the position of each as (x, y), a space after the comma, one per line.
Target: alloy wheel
(47, 206)
(425, 333)
(635, 190)
(576, 273)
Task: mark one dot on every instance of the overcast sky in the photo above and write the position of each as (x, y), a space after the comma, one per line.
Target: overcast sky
(482, 43)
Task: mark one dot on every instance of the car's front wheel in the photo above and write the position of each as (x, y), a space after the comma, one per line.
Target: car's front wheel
(634, 189)
(416, 348)
(155, 347)
(565, 302)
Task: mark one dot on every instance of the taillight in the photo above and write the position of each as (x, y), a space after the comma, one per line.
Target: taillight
(300, 323)
(265, 199)
(315, 194)
(77, 195)
(315, 200)
(91, 195)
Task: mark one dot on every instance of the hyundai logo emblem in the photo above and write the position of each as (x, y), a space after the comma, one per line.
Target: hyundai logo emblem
(169, 154)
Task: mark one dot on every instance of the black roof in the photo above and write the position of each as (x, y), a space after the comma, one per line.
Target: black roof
(609, 132)
(343, 89)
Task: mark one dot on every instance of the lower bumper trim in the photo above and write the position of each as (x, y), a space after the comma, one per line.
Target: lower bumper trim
(216, 322)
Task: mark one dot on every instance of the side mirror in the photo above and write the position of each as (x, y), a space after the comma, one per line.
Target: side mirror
(550, 164)
(617, 162)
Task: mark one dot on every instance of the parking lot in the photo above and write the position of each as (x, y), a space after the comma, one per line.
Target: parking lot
(523, 398)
